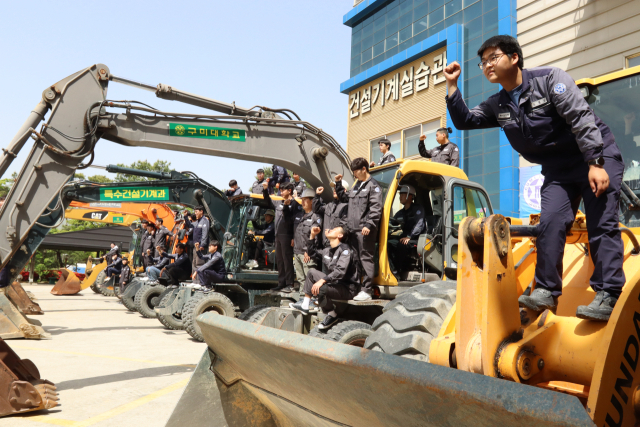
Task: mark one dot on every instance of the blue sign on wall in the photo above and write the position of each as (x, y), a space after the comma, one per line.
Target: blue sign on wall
(531, 181)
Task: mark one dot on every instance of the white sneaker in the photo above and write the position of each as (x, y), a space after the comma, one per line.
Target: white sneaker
(362, 296)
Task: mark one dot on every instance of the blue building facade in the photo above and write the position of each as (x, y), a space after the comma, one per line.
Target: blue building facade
(387, 34)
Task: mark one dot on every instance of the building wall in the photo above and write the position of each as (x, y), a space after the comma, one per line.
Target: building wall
(587, 38)
(394, 116)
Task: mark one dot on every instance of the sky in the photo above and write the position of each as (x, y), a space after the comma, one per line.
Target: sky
(281, 54)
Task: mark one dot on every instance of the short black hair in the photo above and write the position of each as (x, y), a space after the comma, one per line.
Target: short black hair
(345, 232)
(233, 182)
(113, 243)
(159, 220)
(359, 163)
(446, 131)
(287, 186)
(506, 44)
(181, 246)
(385, 141)
(260, 170)
(199, 208)
(214, 243)
(145, 222)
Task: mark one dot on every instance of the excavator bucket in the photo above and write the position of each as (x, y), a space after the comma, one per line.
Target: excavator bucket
(14, 323)
(67, 284)
(21, 388)
(21, 299)
(260, 376)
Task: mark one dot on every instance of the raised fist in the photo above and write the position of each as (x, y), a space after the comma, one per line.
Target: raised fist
(452, 72)
(319, 190)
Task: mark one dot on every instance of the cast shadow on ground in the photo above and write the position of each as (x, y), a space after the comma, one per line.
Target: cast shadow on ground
(124, 376)
(58, 330)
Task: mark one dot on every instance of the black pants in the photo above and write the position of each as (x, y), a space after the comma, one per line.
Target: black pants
(401, 254)
(210, 277)
(327, 292)
(284, 261)
(175, 275)
(365, 247)
(561, 194)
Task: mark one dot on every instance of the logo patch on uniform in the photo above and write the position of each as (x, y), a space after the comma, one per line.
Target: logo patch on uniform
(418, 212)
(346, 252)
(318, 220)
(504, 115)
(534, 104)
(377, 189)
(559, 88)
(455, 149)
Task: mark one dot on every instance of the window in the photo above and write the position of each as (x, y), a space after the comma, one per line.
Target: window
(469, 202)
(633, 60)
(411, 139)
(395, 140)
(374, 152)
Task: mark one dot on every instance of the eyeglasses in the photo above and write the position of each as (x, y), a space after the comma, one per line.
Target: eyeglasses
(491, 61)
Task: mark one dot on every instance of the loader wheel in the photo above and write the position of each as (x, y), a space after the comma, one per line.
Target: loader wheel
(171, 321)
(147, 299)
(349, 332)
(104, 290)
(255, 314)
(95, 287)
(211, 301)
(129, 300)
(409, 323)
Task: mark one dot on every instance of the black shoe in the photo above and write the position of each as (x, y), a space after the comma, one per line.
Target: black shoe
(278, 288)
(328, 322)
(286, 290)
(599, 309)
(539, 300)
(298, 306)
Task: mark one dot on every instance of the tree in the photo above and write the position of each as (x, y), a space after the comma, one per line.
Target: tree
(6, 184)
(100, 179)
(158, 166)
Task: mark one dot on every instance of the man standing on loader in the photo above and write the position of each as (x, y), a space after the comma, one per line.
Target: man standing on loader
(365, 210)
(303, 222)
(201, 236)
(547, 120)
(334, 213)
(285, 211)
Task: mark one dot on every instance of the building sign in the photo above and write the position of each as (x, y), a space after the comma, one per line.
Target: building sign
(134, 194)
(193, 131)
(531, 181)
(404, 83)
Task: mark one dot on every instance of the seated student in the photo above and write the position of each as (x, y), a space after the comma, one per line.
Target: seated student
(180, 269)
(342, 282)
(115, 267)
(213, 270)
(125, 275)
(157, 264)
(412, 218)
(387, 156)
(233, 190)
(268, 232)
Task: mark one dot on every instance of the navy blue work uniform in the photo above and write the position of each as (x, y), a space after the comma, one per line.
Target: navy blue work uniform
(201, 236)
(412, 221)
(551, 124)
(280, 176)
(213, 271)
(284, 235)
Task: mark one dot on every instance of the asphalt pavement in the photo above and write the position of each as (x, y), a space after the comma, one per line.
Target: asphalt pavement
(112, 367)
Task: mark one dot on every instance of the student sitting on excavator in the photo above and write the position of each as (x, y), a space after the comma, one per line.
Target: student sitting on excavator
(213, 270)
(267, 230)
(411, 218)
(342, 282)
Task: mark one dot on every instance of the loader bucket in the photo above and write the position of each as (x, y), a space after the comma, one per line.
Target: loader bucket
(67, 284)
(14, 324)
(21, 299)
(21, 388)
(260, 376)
(91, 278)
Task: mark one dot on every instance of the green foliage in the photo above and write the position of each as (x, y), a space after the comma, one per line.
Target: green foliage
(6, 184)
(77, 225)
(47, 260)
(100, 179)
(158, 166)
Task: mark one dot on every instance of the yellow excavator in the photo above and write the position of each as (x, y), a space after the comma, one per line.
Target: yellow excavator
(453, 353)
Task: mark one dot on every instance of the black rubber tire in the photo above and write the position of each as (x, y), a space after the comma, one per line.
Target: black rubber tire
(211, 301)
(172, 321)
(104, 290)
(96, 284)
(130, 302)
(409, 323)
(144, 298)
(350, 332)
(255, 314)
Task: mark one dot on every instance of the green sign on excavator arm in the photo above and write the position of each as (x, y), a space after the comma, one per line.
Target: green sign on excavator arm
(134, 194)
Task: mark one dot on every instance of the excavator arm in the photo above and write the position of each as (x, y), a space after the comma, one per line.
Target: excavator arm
(78, 118)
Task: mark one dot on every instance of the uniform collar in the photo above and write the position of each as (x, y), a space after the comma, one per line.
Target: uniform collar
(524, 95)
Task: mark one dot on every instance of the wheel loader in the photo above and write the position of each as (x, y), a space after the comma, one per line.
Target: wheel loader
(457, 353)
